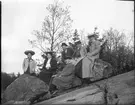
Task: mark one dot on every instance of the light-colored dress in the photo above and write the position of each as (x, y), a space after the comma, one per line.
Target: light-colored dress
(31, 64)
(88, 60)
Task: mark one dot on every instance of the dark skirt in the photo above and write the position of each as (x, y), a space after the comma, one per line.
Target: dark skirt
(45, 76)
(78, 69)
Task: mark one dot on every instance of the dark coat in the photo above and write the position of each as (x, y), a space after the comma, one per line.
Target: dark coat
(53, 64)
(66, 78)
(67, 53)
(45, 74)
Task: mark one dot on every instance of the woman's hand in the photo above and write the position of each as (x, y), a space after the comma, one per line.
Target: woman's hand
(48, 67)
(59, 76)
(54, 75)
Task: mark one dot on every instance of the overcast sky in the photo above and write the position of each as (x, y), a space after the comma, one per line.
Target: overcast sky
(20, 18)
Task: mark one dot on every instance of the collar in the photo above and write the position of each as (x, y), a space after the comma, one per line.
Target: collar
(49, 59)
(30, 59)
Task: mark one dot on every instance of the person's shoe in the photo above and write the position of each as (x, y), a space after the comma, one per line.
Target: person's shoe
(54, 92)
(92, 79)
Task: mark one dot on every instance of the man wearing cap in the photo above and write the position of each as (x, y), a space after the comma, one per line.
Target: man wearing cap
(93, 50)
(67, 51)
(29, 64)
(49, 68)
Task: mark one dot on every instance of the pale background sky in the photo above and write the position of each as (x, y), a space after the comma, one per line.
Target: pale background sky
(21, 17)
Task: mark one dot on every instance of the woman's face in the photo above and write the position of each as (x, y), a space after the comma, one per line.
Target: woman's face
(64, 47)
(49, 56)
(91, 39)
(29, 55)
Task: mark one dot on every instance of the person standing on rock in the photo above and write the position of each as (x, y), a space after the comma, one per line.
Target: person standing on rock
(29, 65)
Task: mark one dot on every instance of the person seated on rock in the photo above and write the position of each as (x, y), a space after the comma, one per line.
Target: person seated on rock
(80, 51)
(49, 68)
(60, 64)
(67, 51)
(29, 64)
(84, 68)
(42, 60)
(66, 78)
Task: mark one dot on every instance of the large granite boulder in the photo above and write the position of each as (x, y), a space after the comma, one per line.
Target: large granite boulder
(24, 88)
(101, 70)
(120, 89)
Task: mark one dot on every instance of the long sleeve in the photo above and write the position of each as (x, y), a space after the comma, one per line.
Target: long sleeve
(68, 70)
(35, 64)
(83, 52)
(23, 65)
(53, 65)
(96, 49)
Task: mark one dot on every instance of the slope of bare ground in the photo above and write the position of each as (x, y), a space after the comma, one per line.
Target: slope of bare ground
(120, 89)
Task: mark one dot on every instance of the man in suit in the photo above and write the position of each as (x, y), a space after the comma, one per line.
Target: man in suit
(49, 68)
(29, 64)
(67, 51)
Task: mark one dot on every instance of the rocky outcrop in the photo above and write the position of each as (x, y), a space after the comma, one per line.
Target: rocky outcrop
(88, 95)
(101, 69)
(116, 90)
(24, 88)
(119, 89)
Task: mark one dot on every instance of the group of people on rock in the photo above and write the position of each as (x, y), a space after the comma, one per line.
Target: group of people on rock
(68, 70)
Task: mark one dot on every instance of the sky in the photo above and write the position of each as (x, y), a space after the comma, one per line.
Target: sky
(21, 17)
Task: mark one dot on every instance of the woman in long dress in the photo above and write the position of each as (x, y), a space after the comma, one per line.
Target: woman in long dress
(49, 68)
(66, 78)
(84, 68)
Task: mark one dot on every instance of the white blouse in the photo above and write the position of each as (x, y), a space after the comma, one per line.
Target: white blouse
(48, 63)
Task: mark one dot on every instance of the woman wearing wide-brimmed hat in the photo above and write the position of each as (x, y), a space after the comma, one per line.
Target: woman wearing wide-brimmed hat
(67, 51)
(49, 67)
(29, 64)
(93, 50)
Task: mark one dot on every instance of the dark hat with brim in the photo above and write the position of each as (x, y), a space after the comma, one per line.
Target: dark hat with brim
(49, 52)
(63, 44)
(29, 51)
(43, 55)
(92, 35)
(68, 57)
(77, 42)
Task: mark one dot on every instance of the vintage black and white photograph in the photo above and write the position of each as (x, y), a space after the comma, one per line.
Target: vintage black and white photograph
(67, 52)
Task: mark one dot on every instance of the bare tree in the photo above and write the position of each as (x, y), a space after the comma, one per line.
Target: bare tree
(83, 38)
(116, 52)
(114, 39)
(56, 28)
